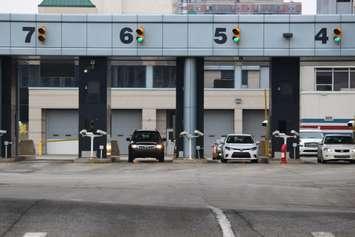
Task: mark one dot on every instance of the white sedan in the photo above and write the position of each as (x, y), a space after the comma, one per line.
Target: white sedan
(336, 147)
(240, 147)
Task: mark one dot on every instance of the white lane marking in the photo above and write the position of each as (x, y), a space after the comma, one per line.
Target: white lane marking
(223, 222)
(322, 234)
(35, 234)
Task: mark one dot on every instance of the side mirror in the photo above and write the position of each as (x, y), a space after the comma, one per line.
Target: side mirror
(164, 139)
(128, 139)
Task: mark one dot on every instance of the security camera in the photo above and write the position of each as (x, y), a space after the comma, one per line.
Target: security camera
(199, 133)
(294, 132)
(98, 131)
(83, 132)
(184, 133)
(264, 123)
(351, 123)
(2, 132)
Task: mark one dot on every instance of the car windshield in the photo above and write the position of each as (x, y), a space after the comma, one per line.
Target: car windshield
(146, 136)
(338, 140)
(240, 139)
(315, 135)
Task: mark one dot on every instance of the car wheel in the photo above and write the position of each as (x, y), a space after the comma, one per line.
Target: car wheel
(161, 158)
(130, 158)
(223, 160)
(319, 160)
(254, 161)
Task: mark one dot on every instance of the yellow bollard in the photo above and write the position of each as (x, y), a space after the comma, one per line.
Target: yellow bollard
(39, 149)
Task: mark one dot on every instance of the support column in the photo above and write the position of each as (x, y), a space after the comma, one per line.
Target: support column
(237, 77)
(285, 99)
(190, 86)
(238, 120)
(179, 117)
(149, 120)
(94, 102)
(9, 105)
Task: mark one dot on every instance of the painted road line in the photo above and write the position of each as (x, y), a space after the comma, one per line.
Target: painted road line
(323, 234)
(35, 234)
(223, 222)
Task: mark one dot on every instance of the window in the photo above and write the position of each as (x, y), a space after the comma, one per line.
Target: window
(341, 79)
(164, 77)
(251, 79)
(47, 73)
(226, 79)
(352, 78)
(128, 76)
(335, 79)
(219, 79)
(324, 81)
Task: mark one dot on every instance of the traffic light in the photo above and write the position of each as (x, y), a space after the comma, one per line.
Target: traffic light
(42, 31)
(236, 34)
(338, 35)
(140, 35)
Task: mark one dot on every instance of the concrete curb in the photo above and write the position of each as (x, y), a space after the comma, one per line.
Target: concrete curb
(19, 158)
(92, 161)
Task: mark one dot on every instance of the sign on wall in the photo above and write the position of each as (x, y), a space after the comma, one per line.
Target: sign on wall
(177, 35)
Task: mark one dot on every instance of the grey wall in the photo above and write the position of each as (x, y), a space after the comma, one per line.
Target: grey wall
(175, 35)
(334, 7)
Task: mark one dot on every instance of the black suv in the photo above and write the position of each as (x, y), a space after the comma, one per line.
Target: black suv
(144, 144)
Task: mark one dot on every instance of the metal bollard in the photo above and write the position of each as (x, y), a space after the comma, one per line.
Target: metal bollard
(6, 144)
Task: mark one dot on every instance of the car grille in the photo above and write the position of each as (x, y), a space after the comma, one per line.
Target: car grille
(342, 151)
(342, 157)
(240, 149)
(241, 155)
(311, 144)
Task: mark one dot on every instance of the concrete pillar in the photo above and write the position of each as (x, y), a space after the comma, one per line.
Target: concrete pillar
(149, 120)
(189, 102)
(285, 98)
(149, 76)
(94, 102)
(238, 77)
(238, 120)
(35, 127)
(9, 104)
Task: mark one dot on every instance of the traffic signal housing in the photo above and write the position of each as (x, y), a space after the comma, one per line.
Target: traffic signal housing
(338, 35)
(42, 31)
(236, 34)
(140, 35)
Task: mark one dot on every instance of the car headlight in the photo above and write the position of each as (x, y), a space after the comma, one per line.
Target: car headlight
(227, 148)
(134, 146)
(353, 150)
(253, 148)
(108, 149)
(159, 146)
(328, 150)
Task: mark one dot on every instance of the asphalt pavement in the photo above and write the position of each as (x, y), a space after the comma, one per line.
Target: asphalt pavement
(177, 199)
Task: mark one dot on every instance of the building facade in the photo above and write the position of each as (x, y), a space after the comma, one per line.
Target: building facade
(335, 6)
(143, 96)
(237, 7)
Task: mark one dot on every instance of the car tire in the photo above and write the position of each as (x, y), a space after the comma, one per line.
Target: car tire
(161, 158)
(223, 160)
(254, 161)
(130, 158)
(319, 160)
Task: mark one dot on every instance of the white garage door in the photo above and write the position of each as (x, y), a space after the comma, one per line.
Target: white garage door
(217, 123)
(251, 123)
(124, 122)
(62, 132)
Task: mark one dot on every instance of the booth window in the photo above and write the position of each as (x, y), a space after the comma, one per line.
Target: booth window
(335, 79)
(164, 76)
(128, 76)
